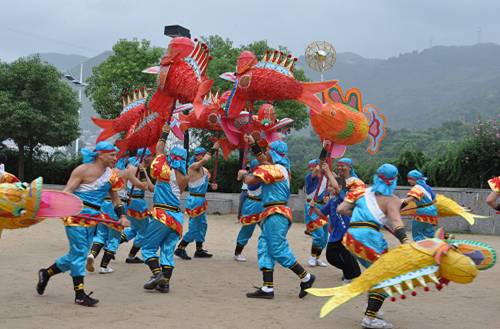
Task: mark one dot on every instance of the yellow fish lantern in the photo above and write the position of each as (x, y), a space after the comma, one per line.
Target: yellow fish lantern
(23, 205)
(343, 121)
(404, 268)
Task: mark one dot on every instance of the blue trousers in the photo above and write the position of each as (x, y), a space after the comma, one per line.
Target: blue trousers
(320, 237)
(80, 241)
(273, 246)
(370, 238)
(107, 236)
(245, 234)
(136, 230)
(422, 231)
(159, 236)
(197, 229)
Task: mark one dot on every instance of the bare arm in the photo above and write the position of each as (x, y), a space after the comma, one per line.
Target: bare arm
(160, 146)
(115, 199)
(393, 212)
(331, 177)
(74, 180)
(182, 180)
(130, 175)
(491, 200)
(345, 208)
(199, 164)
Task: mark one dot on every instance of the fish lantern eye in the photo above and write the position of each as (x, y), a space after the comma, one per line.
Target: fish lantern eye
(332, 113)
(244, 81)
(212, 118)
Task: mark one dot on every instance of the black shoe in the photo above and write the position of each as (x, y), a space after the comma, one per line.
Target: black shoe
(306, 285)
(163, 287)
(259, 293)
(43, 280)
(202, 254)
(134, 260)
(86, 300)
(306, 232)
(181, 253)
(154, 281)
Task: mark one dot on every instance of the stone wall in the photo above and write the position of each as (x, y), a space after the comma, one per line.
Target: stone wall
(227, 203)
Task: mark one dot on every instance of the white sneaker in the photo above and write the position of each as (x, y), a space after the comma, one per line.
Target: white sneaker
(312, 261)
(90, 263)
(321, 263)
(106, 270)
(345, 282)
(375, 323)
(240, 258)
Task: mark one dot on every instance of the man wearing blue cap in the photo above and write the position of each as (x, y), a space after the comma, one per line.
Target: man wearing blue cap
(137, 210)
(424, 223)
(274, 175)
(91, 181)
(196, 203)
(316, 223)
(165, 227)
(370, 211)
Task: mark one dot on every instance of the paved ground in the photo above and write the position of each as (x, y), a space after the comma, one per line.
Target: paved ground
(211, 293)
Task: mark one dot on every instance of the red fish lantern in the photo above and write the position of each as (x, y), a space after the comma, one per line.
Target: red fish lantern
(270, 79)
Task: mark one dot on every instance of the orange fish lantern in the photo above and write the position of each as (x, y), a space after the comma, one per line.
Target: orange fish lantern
(343, 121)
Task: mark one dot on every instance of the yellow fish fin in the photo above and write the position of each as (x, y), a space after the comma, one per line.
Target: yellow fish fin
(340, 296)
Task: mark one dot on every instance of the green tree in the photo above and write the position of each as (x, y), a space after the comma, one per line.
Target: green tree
(36, 107)
(121, 72)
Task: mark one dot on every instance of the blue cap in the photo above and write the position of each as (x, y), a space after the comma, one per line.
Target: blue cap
(313, 163)
(177, 159)
(278, 150)
(386, 179)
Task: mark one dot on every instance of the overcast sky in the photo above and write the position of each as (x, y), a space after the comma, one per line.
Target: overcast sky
(377, 29)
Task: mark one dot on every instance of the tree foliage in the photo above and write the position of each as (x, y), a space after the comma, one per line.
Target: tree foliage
(121, 72)
(36, 107)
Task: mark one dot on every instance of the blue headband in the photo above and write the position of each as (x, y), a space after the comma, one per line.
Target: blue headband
(313, 163)
(141, 153)
(386, 179)
(101, 147)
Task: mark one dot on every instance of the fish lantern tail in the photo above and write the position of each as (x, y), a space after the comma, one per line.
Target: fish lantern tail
(309, 91)
(340, 295)
(107, 125)
(377, 127)
(203, 89)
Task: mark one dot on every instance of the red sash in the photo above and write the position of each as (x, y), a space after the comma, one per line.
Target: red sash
(164, 217)
(317, 223)
(195, 212)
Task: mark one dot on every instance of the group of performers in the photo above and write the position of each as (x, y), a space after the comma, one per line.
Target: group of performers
(341, 213)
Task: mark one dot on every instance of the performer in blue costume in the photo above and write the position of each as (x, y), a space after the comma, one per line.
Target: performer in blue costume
(108, 234)
(196, 204)
(274, 175)
(424, 223)
(336, 254)
(137, 210)
(250, 215)
(165, 226)
(92, 182)
(316, 223)
(371, 210)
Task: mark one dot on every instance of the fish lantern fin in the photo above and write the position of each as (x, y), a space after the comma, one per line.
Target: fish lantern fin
(377, 127)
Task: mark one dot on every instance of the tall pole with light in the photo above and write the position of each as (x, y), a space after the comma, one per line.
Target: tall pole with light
(173, 31)
(81, 85)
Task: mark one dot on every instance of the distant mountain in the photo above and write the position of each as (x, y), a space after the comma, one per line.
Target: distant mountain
(423, 89)
(63, 62)
(71, 64)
